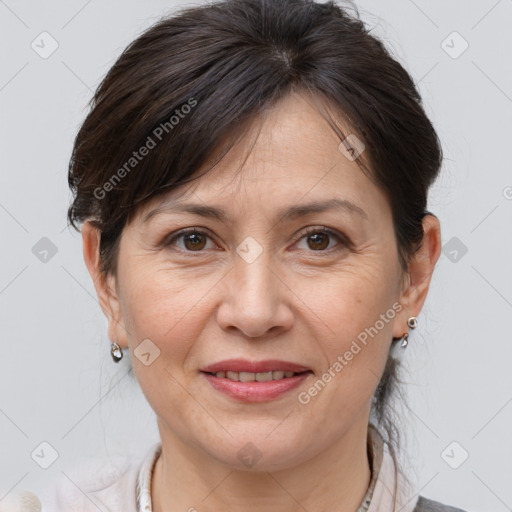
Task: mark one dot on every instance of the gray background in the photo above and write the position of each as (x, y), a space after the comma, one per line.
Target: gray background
(57, 381)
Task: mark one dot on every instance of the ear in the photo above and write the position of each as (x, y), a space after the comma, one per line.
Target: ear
(105, 285)
(420, 269)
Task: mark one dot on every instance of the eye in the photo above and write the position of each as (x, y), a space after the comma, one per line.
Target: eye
(318, 239)
(193, 239)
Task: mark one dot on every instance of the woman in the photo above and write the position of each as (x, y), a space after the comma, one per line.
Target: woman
(252, 185)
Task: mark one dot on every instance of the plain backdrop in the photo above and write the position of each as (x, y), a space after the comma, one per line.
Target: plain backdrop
(58, 384)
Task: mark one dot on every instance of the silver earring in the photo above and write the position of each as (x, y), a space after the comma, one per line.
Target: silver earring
(404, 341)
(116, 352)
(412, 322)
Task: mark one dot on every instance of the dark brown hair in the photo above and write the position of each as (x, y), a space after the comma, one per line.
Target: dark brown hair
(192, 84)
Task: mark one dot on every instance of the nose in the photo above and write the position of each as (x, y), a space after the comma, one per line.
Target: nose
(255, 299)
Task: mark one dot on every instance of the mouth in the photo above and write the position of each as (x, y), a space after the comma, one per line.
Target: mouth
(255, 381)
(255, 377)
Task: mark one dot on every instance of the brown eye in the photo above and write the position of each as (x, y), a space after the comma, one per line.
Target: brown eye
(320, 240)
(192, 240)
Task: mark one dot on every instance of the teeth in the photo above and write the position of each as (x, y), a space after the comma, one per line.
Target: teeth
(264, 377)
(246, 377)
(251, 377)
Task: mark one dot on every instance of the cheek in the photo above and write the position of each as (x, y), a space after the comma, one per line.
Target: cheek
(357, 307)
(165, 308)
(353, 301)
(170, 314)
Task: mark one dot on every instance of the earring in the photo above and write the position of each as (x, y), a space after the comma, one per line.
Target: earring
(404, 341)
(412, 322)
(116, 352)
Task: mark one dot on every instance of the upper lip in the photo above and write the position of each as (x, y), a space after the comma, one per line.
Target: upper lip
(243, 365)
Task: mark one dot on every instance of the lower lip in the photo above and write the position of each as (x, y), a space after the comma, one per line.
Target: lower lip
(256, 391)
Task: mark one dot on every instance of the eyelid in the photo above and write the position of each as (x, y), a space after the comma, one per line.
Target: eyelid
(329, 231)
(185, 231)
(312, 229)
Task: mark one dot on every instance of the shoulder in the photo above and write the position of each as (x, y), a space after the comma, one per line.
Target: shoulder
(426, 505)
(95, 484)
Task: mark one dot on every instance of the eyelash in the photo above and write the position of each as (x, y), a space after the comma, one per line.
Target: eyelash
(345, 242)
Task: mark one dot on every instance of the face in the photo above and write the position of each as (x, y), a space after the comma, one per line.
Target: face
(315, 292)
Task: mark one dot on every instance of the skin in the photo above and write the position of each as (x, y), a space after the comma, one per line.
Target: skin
(304, 299)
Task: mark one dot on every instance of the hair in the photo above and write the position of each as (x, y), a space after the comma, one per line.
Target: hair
(191, 86)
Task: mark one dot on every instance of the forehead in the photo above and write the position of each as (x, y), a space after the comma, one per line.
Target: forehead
(289, 155)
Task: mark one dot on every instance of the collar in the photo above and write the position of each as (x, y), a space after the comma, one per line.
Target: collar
(387, 491)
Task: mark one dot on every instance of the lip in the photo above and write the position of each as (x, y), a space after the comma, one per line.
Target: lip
(256, 391)
(243, 365)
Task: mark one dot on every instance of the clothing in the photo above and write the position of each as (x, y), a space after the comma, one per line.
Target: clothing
(127, 487)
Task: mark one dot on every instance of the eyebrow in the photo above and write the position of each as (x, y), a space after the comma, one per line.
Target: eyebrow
(284, 214)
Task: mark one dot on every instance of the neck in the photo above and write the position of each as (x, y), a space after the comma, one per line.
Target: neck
(185, 479)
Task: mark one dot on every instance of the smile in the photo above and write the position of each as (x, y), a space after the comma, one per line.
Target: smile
(261, 381)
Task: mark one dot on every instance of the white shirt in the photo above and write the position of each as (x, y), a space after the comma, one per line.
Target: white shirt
(127, 487)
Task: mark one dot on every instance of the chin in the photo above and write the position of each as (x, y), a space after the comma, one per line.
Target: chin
(259, 452)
